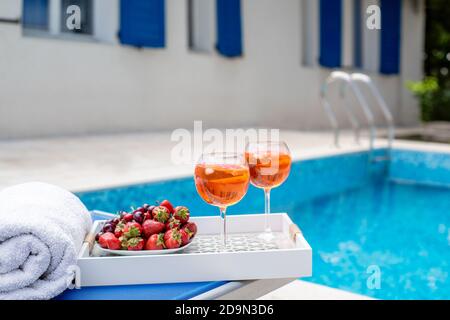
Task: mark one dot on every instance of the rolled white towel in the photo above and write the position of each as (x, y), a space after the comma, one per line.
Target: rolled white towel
(42, 228)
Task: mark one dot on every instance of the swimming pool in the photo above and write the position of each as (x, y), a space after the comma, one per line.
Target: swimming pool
(359, 217)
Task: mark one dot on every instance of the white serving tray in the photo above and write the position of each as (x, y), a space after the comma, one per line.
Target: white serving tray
(247, 258)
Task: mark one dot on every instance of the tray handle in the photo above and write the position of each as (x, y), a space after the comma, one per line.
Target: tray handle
(294, 230)
(90, 240)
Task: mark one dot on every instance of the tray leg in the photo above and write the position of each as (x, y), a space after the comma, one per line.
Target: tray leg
(243, 290)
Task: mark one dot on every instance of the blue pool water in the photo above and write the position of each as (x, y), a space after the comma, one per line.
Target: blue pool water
(361, 219)
(403, 230)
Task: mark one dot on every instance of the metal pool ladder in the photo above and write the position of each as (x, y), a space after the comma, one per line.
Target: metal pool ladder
(350, 81)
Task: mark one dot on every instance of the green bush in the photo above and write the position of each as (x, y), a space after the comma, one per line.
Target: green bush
(434, 90)
(434, 99)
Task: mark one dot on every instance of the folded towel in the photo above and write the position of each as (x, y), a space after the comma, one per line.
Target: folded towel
(42, 228)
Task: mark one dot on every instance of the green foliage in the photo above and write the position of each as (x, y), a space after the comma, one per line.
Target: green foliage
(434, 100)
(434, 90)
(425, 87)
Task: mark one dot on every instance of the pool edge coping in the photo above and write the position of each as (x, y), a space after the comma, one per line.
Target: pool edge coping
(185, 171)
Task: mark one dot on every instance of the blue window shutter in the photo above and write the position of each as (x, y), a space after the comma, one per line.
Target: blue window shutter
(390, 36)
(330, 33)
(229, 33)
(35, 14)
(142, 23)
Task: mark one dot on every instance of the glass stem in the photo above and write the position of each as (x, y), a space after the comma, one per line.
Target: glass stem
(267, 209)
(223, 216)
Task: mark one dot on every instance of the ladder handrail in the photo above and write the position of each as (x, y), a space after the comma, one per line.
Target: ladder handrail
(367, 113)
(350, 81)
(333, 77)
(346, 78)
(360, 77)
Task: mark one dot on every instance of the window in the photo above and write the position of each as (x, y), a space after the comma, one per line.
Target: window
(86, 16)
(48, 18)
(330, 41)
(142, 23)
(35, 14)
(201, 25)
(215, 25)
(229, 28)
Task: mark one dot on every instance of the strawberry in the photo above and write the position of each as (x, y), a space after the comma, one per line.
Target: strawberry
(172, 239)
(184, 238)
(182, 214)
(123, 242)
(190, 228)
(132, 230)
(109, 241)
(151, 227)
(173, 223)
(128, 217)
(135, 244)
(118, 231)
(168, 205)
(161, 214)
(155, 242)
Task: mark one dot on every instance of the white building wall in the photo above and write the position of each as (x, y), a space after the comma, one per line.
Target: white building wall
(60, 87)
(10, 9)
